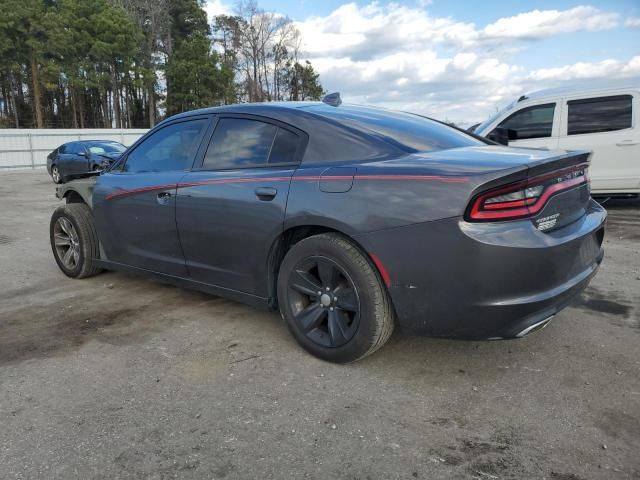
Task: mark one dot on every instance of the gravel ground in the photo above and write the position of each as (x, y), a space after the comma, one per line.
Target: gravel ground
(120, 377)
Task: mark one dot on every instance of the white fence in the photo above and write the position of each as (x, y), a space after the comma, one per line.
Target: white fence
(28, 148)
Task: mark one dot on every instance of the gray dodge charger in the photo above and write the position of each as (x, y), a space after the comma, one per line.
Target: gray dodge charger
(352, 221)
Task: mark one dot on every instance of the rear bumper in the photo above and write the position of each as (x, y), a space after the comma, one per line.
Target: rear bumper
(493, 280)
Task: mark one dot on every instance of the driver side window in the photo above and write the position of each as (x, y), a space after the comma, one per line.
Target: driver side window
(74, 148)
(530, 122)
(170, 148)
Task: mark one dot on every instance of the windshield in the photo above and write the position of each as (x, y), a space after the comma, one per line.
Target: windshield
(480, 128)
(106, 147)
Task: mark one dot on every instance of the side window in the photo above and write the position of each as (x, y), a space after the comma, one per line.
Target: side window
(170, 148)
(530, 122)
(604, 114)
(62, 148)
(244, 143)
(239, 143)
(74, 148)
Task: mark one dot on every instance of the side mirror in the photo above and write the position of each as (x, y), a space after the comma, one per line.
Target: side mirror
(82, 154)
(502, 135)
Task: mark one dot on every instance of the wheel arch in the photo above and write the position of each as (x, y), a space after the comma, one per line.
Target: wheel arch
(71, 196)
(77, 191)
(292, 235)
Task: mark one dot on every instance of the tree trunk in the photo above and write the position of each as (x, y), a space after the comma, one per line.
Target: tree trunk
(12, 100)
(254, 97)
(151, 104)
(116, 97)
(35, 81)
(81, 108)
(74, 110)
(105, 110)
(149, 79)
(127, 104)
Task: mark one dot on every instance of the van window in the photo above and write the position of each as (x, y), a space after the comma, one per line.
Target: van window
(603, 114)
(530, 122)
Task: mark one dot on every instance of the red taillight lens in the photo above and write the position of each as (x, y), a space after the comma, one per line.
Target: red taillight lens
(526, 198)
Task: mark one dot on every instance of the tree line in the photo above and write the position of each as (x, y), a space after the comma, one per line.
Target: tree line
(130, 63)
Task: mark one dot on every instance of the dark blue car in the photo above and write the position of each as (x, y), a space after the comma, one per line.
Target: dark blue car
(352, 221)
(76, 158)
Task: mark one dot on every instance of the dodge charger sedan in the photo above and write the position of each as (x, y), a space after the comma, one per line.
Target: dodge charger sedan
(350, 220)
(74, 159)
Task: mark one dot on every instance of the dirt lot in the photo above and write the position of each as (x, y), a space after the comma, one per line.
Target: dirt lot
(120, 377)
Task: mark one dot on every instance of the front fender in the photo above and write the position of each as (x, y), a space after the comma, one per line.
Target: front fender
(82, 187)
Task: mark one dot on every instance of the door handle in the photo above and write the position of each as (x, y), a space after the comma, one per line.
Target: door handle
(163, 198)
(626, 143)
(266, 193)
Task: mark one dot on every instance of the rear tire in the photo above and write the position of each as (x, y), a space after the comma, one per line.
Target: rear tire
(333, 300)
(74, 240)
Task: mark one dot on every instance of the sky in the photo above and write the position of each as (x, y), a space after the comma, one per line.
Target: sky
(460, 60)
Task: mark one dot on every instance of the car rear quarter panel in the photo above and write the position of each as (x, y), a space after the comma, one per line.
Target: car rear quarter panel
(395, 192)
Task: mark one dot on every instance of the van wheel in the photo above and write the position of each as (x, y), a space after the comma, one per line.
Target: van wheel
(74, 240)
(333, 300)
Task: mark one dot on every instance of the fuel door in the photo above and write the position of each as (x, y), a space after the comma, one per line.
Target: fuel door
(337, 179)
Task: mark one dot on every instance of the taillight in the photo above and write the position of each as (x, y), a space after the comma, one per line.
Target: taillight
(525, 198)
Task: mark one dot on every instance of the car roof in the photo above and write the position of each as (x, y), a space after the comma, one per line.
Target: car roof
(281, 110)
(92, 141)
(247, 108)
(576, 88)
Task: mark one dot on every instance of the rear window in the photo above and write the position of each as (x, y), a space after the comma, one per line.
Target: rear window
(603, 114)
(411, 133)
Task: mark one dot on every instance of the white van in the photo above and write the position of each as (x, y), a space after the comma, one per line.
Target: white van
(604, 120)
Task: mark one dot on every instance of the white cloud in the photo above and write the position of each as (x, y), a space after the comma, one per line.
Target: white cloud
(584, 70)
(538, 24)
(217, 7)
(632, 22)
(371, 29)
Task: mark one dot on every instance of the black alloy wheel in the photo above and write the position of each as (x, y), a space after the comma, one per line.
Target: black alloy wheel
(333, 300)
(324, 301)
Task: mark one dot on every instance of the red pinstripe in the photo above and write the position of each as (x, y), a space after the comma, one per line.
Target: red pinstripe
(221, 181)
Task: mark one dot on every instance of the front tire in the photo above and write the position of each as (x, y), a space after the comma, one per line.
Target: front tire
(55, 174)
(74, 240)
(333, 300)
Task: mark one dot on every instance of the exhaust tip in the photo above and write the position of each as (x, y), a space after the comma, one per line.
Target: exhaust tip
(535, 327)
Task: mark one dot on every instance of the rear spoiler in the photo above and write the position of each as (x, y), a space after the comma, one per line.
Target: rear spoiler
(561, 161)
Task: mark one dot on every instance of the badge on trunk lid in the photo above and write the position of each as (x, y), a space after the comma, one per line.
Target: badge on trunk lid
(545, 223)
